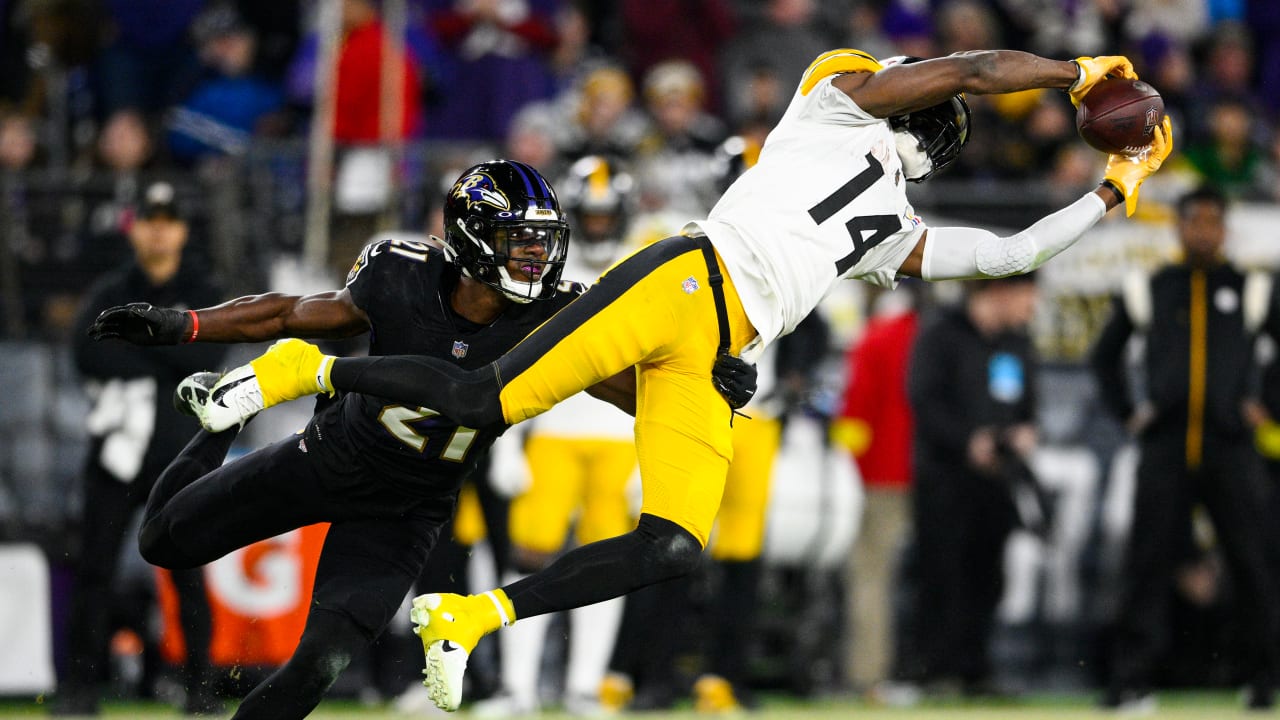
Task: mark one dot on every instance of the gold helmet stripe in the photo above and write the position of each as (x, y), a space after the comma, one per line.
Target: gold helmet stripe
(834, 62)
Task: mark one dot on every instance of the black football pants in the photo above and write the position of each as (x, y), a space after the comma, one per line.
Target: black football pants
(377, 543)
(1230, 485)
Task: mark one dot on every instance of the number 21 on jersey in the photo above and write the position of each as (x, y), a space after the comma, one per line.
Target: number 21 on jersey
(400, 422)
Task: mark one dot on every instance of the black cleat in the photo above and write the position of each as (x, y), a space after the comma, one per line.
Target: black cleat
(193, 391)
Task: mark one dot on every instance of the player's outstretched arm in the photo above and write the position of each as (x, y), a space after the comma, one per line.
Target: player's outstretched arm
(901, 89)
(956, 253)
(253, 318)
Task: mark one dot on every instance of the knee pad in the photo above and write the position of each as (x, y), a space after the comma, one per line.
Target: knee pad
(669, 550)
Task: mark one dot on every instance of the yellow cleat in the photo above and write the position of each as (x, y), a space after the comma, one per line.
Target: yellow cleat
(713, 695)
(449, 626)
(616, 692)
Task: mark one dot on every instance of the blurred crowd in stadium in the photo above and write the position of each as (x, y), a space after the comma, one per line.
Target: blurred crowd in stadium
(641, 111)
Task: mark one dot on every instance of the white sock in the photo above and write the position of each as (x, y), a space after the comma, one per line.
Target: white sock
(522, 645)
(593, 630)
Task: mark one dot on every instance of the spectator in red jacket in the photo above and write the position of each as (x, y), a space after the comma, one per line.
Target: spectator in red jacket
(360, 76)
(358, 117)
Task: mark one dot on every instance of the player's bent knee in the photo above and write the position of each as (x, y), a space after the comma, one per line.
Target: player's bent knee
(157, 548)
(671, 551)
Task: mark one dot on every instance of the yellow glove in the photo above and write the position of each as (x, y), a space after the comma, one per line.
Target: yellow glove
(1266, 437)
(292, 369)
(1126, 172)
(1094, 69)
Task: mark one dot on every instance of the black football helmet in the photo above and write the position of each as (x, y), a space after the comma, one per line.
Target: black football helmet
(598, 195)
(495, 207)
(941, 130)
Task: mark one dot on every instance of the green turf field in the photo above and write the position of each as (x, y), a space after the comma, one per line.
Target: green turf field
(1176, 706)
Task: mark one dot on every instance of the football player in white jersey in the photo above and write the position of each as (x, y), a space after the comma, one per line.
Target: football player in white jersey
(825, 201)
(577, 459)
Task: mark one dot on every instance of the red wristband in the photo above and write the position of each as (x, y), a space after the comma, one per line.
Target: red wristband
(195, 326)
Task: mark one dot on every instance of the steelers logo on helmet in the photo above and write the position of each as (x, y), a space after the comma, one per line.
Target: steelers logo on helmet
(598, 196)
(504, 227)
(930, 139)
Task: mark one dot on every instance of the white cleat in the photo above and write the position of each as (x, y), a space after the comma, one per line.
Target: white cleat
(232, 402)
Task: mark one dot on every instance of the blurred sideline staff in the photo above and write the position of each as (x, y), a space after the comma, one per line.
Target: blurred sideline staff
(135, 432)
(1201, 318)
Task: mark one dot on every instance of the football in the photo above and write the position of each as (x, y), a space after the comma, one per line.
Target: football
(1119, 116)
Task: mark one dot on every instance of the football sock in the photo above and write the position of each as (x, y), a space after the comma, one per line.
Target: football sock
(592, 632)
(656, 550)
(197, 629)
(328, 643)
(490, 610)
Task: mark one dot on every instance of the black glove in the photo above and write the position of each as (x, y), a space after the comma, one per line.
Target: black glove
(142, 324)
(734, 378)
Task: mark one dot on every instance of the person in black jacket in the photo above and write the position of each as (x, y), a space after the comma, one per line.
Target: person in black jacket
(1201, 318)
(970, 384)
(135, 431)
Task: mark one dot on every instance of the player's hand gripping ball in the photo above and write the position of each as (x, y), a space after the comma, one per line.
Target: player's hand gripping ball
(1119, 116)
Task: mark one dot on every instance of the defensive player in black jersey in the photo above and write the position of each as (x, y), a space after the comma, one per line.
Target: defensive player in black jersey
(385, 475)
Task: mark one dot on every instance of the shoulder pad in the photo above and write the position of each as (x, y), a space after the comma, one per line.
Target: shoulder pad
(412, 249)
(363, 259)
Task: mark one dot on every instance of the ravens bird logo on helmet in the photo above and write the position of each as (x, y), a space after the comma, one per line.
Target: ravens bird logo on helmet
(478, 187)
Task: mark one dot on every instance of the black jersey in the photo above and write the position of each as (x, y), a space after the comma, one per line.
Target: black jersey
(404, 288)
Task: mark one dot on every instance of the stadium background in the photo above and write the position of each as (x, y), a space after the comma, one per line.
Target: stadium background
(285, 170)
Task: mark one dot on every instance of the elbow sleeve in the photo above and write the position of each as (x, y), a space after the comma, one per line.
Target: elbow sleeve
(953, 253)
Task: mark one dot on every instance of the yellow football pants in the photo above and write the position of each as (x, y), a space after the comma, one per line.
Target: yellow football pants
(741, 523)
(586, 477)
(654, 310)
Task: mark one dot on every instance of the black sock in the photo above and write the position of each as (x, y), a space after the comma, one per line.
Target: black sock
(329, 642)
(656, 550)
(197, 630)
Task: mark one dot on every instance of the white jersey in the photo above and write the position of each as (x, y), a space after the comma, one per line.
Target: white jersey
(826, 200)
(580, 415)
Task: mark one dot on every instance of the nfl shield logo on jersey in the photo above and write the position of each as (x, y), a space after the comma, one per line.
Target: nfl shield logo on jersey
(690, 286)
(459, 349)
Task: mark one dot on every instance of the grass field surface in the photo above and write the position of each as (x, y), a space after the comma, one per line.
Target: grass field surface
(1174, 706)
